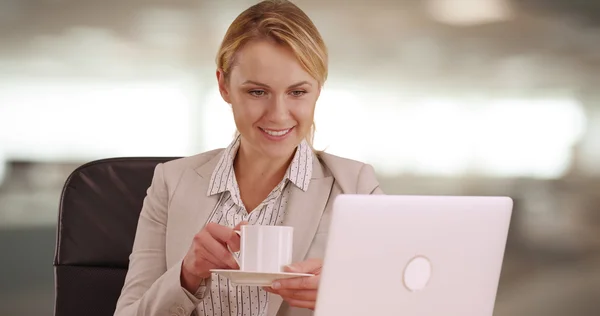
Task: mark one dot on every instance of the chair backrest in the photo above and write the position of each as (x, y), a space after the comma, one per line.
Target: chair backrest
(98, 215)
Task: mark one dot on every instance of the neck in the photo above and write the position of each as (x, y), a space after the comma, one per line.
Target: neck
(252, 166)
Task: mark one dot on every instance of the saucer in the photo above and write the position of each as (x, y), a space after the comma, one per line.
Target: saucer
(244, 278)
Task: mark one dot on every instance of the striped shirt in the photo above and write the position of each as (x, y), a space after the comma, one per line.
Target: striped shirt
(223, 297)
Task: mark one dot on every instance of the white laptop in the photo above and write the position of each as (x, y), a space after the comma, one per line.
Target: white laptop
(413, 255)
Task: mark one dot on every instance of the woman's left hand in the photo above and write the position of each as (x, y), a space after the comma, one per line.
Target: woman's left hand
(302, 291)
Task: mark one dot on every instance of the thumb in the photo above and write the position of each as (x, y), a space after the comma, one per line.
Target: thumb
(308, 266)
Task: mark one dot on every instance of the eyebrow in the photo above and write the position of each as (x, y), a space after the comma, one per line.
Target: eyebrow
(295, 85)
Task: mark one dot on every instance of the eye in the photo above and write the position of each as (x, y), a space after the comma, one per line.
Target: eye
(298, 93)
(257, 93)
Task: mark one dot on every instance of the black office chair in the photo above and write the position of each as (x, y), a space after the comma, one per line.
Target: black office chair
(98, 215)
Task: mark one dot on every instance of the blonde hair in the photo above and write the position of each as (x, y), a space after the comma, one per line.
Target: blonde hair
(286, 24)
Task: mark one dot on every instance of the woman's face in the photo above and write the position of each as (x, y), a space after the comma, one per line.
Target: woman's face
(273, 98)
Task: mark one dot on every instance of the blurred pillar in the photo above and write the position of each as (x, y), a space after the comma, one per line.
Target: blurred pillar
(580, 200)
(586, 153)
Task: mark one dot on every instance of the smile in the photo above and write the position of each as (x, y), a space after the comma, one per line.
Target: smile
(276, 133)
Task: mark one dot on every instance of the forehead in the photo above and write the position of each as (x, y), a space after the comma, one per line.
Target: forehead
(269, 63)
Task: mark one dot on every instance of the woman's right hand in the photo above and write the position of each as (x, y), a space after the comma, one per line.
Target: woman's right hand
(209, 251)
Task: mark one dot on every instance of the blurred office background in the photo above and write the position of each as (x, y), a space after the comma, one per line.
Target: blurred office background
(468, 97)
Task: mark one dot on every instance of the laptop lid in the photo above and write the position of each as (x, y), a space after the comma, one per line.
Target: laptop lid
(413, 255)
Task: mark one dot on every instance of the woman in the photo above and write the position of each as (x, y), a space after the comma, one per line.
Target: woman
(270, 69)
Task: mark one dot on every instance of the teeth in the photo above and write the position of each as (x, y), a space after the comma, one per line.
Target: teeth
(276, 133)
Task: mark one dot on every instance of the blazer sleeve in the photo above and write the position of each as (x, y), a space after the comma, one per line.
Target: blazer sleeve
(151, 288)
(367, 181)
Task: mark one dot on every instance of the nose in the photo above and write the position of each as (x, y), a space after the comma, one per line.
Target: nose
(277, 110)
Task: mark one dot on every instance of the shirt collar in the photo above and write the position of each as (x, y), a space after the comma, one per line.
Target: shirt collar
(299, 172)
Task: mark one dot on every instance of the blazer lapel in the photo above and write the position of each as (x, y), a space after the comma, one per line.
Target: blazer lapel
(190, 209)
(207, 203)
(304, 214)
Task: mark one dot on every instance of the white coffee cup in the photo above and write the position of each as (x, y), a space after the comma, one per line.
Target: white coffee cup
(265, 248)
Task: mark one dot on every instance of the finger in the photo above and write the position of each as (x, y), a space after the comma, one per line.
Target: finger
(234, 242)
(301, 304)
(219, 251)
(269, 289)
(219, 232)
(210, 258)
(301, 283)
(201, 252)
(302, 295)
(234, 245)
(312, 265)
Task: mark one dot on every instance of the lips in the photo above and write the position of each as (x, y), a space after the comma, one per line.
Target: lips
(276, 134)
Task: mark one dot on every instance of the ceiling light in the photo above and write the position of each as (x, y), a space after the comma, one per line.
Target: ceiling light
(469, 12)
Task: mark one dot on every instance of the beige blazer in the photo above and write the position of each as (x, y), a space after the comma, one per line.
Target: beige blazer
(177, 207)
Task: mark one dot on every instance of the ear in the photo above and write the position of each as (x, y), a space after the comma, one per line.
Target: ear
(223, 88)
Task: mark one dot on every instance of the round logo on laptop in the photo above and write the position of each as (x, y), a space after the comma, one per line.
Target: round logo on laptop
(417, 273)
